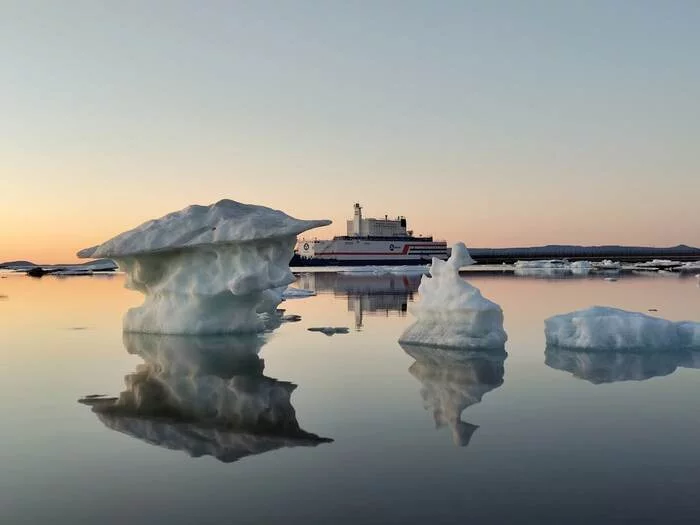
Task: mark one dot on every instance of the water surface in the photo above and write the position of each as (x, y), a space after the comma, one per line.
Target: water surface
(362, 430)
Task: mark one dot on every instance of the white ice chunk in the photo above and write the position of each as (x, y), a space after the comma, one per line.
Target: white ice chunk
(601, 328)
(690, 266)
(452, 312)
(607, 264)
(206, 269)
(545, 264)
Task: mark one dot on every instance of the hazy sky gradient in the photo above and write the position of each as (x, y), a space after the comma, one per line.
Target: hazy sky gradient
(499, 123)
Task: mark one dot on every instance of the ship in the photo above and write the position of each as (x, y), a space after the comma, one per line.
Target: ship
(370, 241)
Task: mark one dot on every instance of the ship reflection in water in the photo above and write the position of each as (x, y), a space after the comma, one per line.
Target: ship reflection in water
(453, 380)
(206, 396)
(611, 367)
(366, 293)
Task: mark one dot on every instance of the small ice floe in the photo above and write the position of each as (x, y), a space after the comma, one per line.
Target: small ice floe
(297, 293)
(96, 399)
(73, 272)
(291, 318)
(657, 264)
(452, 313)
(610, 279)
(581, 267)
(691, 266)
(548, 264)
(330, 330)
(544, 268)
(213, 269)
(606, 265)
(610, 329)
(365, 270)
(408, 270)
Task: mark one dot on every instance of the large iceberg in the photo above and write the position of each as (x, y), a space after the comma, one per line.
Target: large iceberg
(603, 329)
(453, 381)
(206, 269)
(205, 396)
(452, 312)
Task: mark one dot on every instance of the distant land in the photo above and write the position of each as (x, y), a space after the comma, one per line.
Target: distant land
(579, 253)
(98, 265)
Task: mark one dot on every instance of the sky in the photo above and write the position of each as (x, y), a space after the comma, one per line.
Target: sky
(497, 123)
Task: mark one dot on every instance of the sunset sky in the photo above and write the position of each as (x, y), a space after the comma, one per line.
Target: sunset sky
(499, 123)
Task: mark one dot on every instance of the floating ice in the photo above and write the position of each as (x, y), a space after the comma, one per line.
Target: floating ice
(453, 380)
(203, 395)
(581, 267)
(657, 264)
(548, 264)
(604, 329)
(297, 293)
(383, 270)
(607, 264)
(453, 313)
(330, 330)
(206, 269)
(690, 266)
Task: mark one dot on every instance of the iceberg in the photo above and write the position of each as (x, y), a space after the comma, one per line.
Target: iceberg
(453, 380)
(206, 269)
(601, 328)
(452, 313)
(205, 396)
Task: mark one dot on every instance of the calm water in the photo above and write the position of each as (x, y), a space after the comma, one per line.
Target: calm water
(419, 436)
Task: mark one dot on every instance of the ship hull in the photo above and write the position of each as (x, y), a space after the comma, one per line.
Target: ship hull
(298, 261)
(348, 251)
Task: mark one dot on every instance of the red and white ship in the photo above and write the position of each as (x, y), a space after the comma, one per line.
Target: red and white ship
(370, 242)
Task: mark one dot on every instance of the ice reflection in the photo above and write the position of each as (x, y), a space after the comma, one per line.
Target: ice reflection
(453, 380)
(611, 367)
(204, 396)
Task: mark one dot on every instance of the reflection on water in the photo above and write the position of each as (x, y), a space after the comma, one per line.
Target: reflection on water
(204, 396)
(610, 367)
(453, 380)
(371, 294)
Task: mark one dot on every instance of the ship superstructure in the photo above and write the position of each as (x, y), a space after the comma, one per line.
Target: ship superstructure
(371, 241)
